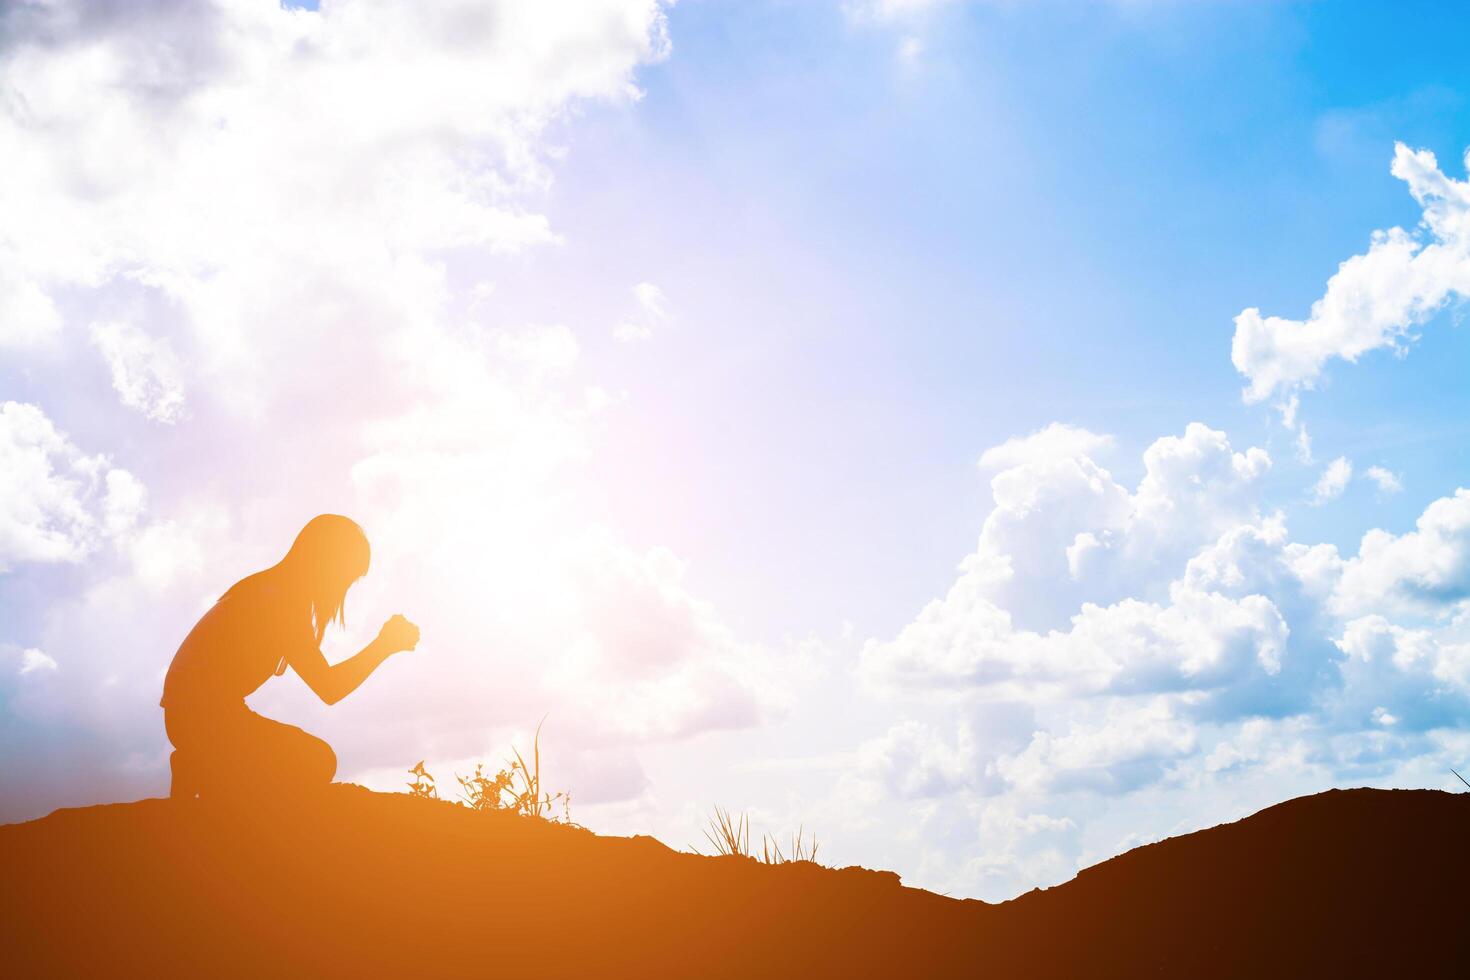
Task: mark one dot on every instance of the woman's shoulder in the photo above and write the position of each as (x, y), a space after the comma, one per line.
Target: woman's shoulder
(259, 587)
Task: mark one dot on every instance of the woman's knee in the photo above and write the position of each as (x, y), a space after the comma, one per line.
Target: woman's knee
(308, 763)
(321, 761)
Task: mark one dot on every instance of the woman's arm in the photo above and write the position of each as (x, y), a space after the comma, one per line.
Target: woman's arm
(333, 682)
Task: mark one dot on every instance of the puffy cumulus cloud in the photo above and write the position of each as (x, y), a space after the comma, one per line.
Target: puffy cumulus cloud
(1194, 487)
(1421, 572)
(1238, 614)
(1248, 559)
(145, 371)
(652, 314)
(1132, 745)
(1394, 613)
(57, 504)
(1064, 533)
(265, 176)
(1402, 678)
(1375, 299)
(1056, 441)
(1242, 662)
(1274, 746)
(1333, 481)
(1198, 641)
(913, 760)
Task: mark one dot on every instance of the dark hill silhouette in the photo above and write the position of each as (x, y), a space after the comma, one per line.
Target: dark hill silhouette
(1345, 883)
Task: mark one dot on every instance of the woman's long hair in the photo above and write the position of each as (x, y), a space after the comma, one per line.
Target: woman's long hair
(329, 554)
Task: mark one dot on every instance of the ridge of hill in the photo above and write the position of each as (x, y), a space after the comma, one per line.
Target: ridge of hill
(1345, 883)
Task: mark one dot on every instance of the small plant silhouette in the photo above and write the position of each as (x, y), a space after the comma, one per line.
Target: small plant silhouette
(423, 785)
(482, 792)
(513, 789)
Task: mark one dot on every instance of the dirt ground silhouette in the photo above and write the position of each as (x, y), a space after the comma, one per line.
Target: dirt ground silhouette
(1345, 883)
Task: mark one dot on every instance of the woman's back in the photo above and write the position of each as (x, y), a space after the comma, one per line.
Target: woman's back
(239, 643)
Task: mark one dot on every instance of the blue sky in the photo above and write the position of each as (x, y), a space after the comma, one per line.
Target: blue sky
(825, 410)
(1054, 214)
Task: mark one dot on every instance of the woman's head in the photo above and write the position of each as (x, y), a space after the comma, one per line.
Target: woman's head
(329, 554)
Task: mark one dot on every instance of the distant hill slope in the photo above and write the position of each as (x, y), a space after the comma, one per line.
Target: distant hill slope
(1346, 883)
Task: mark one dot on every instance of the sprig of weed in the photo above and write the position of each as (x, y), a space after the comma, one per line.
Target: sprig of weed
(728, 836)
(423, 785)
(513, 789)
(801, 848)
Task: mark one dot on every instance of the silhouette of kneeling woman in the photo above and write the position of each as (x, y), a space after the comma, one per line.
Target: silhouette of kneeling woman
(264, 623)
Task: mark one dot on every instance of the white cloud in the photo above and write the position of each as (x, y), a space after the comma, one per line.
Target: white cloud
(1063, 531)
(1386, 480)
(1129, 747)
(28, 317)
(1197, 641)
(145, 371)
(1234, 654)
(56, 503)
(652, 314)
(1423, 571)
(1056, 441)
(1333, 481)
(1050, 516)
(1266, 744)
(912, 760)
(271, 178)
(1418, 677)
(1289, 409)
(1195, 486)
(32, 660)
(1376, 298)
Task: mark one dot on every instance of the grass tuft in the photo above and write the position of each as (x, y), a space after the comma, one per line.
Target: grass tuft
(801, 848)
(730, 837)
